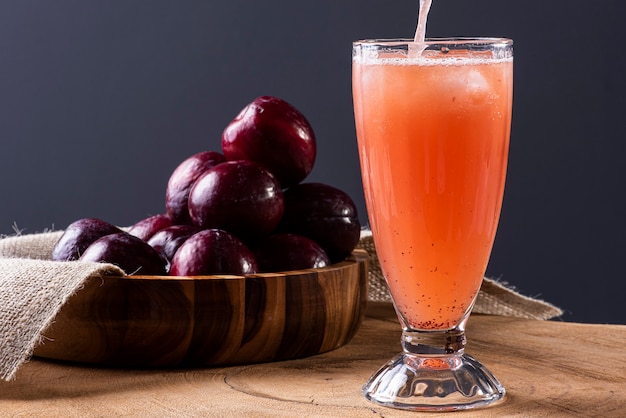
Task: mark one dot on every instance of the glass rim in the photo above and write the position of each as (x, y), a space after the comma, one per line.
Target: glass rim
(495, 41)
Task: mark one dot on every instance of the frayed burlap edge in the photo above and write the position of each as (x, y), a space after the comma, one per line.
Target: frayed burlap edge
(494, 298)
(34, 246)
(32, 291)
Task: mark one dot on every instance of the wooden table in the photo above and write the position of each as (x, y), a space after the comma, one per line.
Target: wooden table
(549, 368)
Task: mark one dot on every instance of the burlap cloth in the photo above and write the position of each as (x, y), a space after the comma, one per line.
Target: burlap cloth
(33, 289)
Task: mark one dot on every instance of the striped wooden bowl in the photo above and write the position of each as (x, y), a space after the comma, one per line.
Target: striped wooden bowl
(154, 321)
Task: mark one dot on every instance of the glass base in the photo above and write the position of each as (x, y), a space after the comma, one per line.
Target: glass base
(433, 383)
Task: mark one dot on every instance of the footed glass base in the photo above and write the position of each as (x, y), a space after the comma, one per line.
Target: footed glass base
(433, 383)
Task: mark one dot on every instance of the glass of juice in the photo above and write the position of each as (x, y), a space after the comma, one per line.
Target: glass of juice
(433, 121)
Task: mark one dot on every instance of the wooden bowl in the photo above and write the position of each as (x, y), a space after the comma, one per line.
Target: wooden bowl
(160, 321)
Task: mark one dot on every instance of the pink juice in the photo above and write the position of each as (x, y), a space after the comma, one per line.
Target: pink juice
(433, 135)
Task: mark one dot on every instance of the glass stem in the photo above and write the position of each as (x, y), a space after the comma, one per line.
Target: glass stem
(433, 343)
(434, 349)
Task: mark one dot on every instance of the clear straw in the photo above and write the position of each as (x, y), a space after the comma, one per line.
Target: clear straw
(420, 32)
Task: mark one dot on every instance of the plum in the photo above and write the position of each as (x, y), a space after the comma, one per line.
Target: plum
(275, 134)
(283, 252)
(78, 236)
(181, 180)
(167, 240)
(130, 253)
(241, 197)
(325, 214)
(149, 226)
(213, 251)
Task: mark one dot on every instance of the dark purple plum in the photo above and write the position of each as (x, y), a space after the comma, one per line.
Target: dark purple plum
(275, 134)
(283, 252)
(241, 197)
(210, 252)
(324, 214)
(149, 226)
(78, 236)
(167, 240)
(131, 254)
(181, 180)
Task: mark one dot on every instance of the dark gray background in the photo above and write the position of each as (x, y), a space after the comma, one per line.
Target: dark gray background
(100, 101)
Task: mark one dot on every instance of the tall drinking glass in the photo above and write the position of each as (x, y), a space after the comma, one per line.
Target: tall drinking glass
(433, 122)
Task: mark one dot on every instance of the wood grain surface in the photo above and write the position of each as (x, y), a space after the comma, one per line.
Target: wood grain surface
(214, 320)
(549, 368)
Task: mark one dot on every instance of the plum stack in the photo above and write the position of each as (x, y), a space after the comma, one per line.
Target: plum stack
(243, 210)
